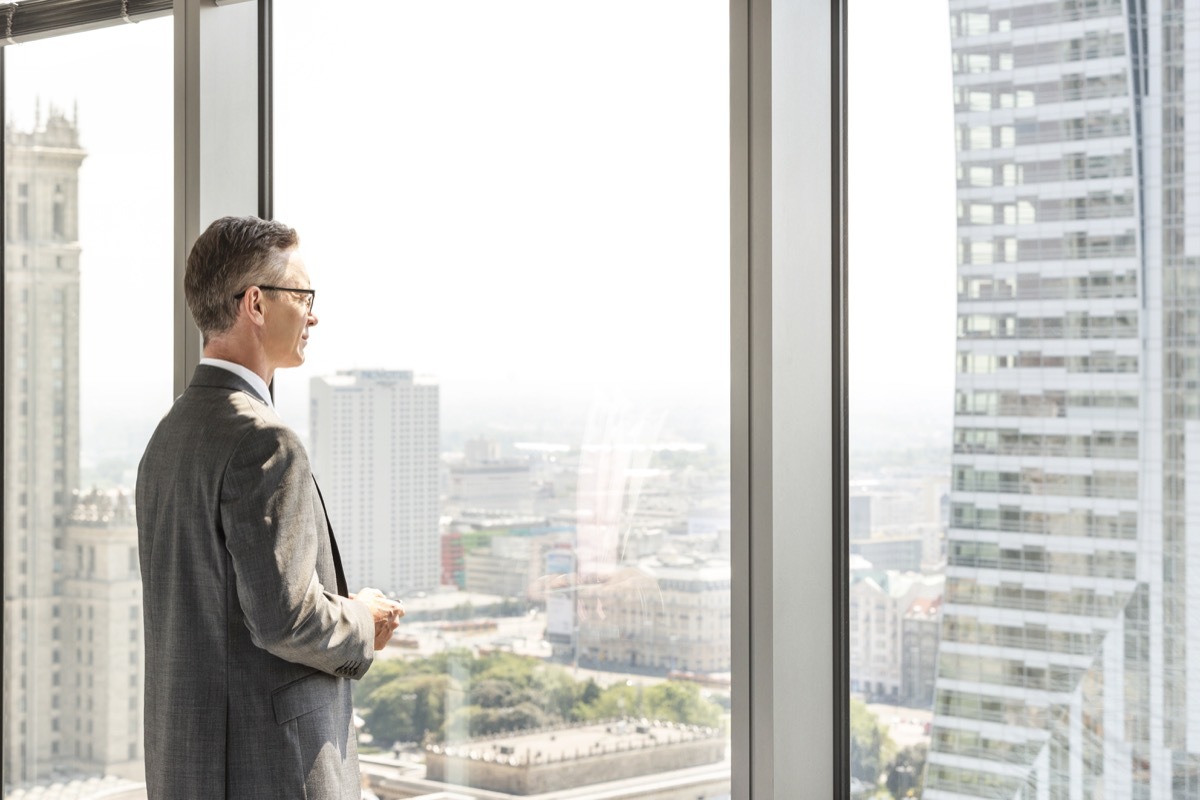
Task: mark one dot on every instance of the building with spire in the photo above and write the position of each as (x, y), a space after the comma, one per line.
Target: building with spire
(41, 437)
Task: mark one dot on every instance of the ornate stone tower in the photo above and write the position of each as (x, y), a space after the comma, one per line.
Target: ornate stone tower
(41, 430)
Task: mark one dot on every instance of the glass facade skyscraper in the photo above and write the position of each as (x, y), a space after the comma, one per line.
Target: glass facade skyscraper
(1069, 663)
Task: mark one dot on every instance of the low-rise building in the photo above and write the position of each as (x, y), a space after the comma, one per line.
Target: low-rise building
(563, 758)
(508, 560)
(98, 712)
(663, 613)
(508, 566)
(494, 486)
(453, 569)
(920, 633)
(879, 601)
(902, 553)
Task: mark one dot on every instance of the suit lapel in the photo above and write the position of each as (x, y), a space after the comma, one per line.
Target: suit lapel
(342, 588)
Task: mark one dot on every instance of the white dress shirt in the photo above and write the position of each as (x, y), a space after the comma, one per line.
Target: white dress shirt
(250, 377)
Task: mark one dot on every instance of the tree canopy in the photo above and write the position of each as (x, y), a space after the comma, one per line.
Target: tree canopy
(870, 746)
(457, 695)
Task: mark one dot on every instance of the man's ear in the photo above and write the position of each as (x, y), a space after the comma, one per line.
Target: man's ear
(252, 305)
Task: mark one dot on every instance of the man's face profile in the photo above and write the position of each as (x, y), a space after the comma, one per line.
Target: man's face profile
(287, 317)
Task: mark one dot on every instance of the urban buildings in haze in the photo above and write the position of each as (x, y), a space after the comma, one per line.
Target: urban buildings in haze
(374, 447)
(497, 487)
(892, 632)
(664, 613)
(1069, 664)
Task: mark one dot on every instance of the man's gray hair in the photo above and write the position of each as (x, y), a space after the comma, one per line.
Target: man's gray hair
(233, 254)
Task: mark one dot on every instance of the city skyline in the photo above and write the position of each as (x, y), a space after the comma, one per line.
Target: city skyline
(87, 573)
(489, 402)
(66, 76)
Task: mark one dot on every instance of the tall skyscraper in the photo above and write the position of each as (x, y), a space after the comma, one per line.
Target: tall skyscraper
(374, 447)
(41, 432)
(1069, 664)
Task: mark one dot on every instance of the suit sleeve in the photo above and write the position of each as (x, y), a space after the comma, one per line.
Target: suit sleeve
(271, 534)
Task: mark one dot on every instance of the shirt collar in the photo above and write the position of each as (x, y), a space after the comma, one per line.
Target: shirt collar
(250, 377)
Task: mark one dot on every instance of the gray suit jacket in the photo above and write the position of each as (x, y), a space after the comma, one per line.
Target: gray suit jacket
(248, 647)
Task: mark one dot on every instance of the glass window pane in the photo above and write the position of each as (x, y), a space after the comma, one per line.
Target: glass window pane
(907, 231)
(88, 319)
(1054, 483)
(516, 398)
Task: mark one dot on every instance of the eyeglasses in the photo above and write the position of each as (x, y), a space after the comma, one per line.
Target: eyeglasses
(311, 294)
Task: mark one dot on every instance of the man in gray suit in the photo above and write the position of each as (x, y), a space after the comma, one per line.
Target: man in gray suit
(251, 637)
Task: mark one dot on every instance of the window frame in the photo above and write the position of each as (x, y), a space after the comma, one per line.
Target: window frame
(788, 261)
(789, 426)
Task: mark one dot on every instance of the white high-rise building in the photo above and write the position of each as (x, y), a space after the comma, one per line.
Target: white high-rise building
(374, 448)
(1069, 664)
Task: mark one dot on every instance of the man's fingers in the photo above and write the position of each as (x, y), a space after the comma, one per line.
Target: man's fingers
(383, 636)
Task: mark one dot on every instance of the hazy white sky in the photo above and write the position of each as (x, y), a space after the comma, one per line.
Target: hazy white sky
(527, 199)
(120, 80)
(902, 222)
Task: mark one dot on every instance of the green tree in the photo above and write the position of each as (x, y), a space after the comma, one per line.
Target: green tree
(870, 745)
(517, 670)
(554, 690)
(679, 701)
(907, 771)
(480, 721)
(618, 700)
(493, 693)
(591, 692)
(406, 701)
(381, 672)
(671, 701)
(407, 709)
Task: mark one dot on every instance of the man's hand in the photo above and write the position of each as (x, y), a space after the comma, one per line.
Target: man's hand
(386, 613)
